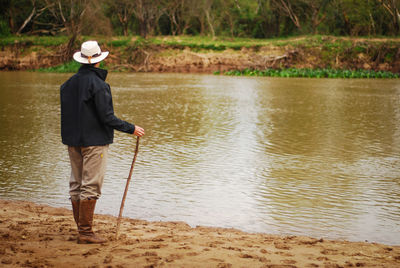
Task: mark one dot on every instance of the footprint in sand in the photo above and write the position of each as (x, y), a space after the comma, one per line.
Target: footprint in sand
(283, 253)
(216, 259)
(23, 222)
(120, 250)
(280, 245)
(93, 251)
(13, 248)
(154, 259)
(6, 261)
(263, 259)
(224, 265)
(133, 256)
(173, 257)
(47, 238)
(245, 256)
(130, 242)
(212, 244)
(157, 239)
(232, 248)
(150, 253)
(288, 261)
(329, 252)
(184, 247)
(156, 246)
(108, 259)
(151, 256)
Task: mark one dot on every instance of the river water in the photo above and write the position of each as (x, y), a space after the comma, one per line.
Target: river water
(316, 157)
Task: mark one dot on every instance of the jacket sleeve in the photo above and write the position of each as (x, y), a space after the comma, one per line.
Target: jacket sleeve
(105, 110)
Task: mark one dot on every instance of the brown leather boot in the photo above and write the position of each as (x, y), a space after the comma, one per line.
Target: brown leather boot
(86, 234)
(75, 210)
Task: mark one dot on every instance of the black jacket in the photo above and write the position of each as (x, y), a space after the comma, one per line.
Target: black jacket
(87, 114)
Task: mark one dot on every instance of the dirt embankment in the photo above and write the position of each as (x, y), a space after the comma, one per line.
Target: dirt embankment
(41, 236)
(330, 52)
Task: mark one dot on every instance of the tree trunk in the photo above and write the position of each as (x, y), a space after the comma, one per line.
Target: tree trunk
(202, 27)
(316, 22)
(209, 23)
(70, 47)
(26, 21)
(11, 20)
(174, 25)
(391, 7)
(143, 28)
(397, 20)
(124, 22)
(287, 8)
(372, 25)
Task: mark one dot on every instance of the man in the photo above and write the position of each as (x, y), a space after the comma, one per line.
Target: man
(87, 127)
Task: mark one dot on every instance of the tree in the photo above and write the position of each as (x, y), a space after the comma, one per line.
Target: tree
(287, 7)
(147, 12)
(173, 8)
(392, 7)
(15, 13)
(316, 12)
(70, 14)
(247, 18)
(357, 16)
(206, 8)
(124, 9)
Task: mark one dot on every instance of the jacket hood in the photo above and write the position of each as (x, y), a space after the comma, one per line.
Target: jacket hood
(101, 73)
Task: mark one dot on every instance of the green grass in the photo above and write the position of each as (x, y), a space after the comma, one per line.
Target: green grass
(69, 67)
(34, 40)
(122, 42)
(330, 43)
(208, 43)
(327, 48)
(312, 73)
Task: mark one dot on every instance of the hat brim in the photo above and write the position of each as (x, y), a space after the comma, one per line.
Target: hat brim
(77, 57)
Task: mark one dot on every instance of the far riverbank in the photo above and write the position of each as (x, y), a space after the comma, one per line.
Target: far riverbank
(184, 54)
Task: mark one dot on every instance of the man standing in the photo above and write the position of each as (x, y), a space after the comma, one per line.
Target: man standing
(87, 127)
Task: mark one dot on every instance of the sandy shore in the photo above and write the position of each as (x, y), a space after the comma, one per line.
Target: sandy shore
(41, 236)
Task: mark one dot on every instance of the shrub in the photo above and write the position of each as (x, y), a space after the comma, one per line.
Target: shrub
(313, 73)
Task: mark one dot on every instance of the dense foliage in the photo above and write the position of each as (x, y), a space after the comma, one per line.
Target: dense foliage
(236, 18)
(313, 73)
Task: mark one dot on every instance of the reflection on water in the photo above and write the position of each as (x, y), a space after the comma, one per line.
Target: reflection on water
(286, 156)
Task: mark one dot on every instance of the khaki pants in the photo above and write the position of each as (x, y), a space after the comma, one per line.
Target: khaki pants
(88, 166)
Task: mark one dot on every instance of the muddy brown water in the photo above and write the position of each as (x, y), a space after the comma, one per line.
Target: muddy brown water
(317, 157)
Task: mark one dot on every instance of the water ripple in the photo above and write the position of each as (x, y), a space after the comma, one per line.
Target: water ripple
(287, 156)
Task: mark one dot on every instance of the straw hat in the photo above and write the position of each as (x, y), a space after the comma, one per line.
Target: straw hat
(90, 53)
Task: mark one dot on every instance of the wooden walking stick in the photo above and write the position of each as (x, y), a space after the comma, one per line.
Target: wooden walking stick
(126, 188)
